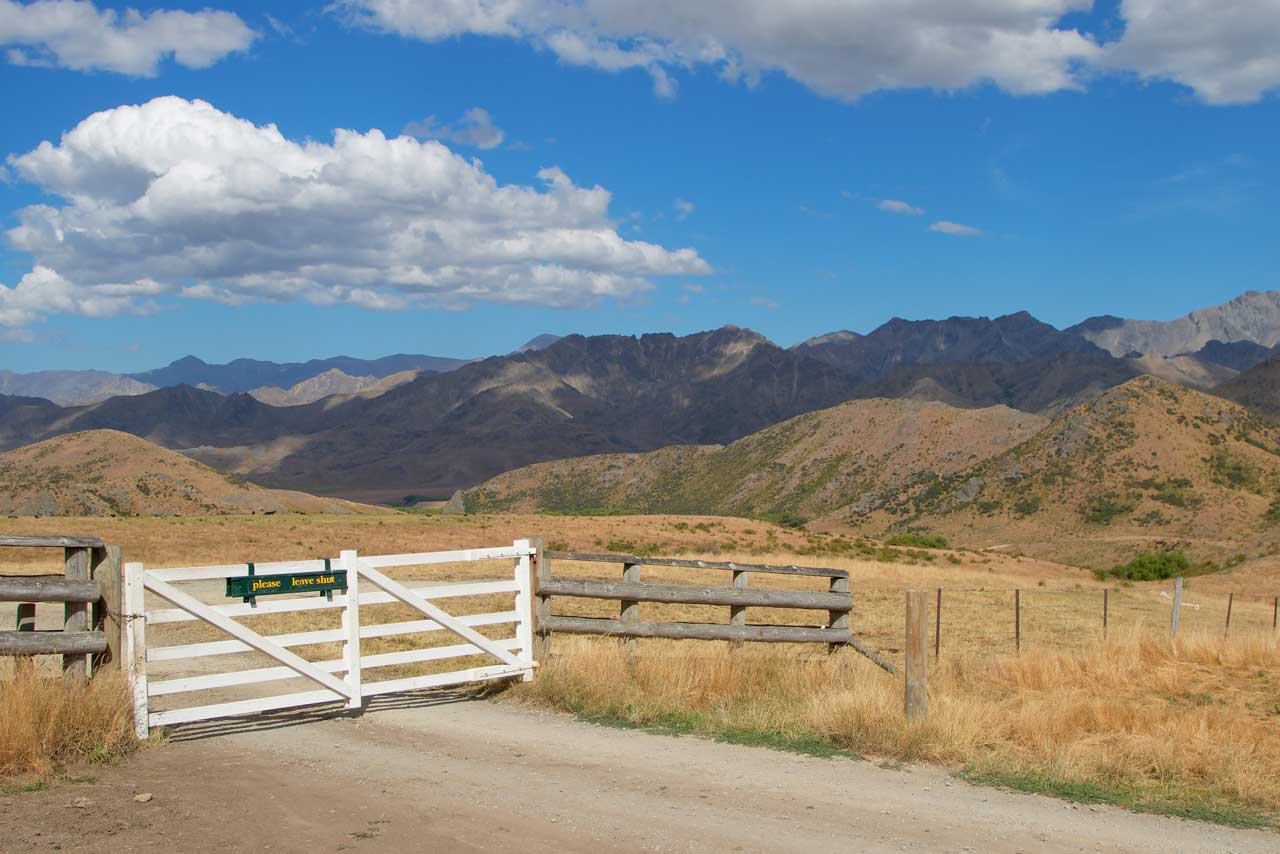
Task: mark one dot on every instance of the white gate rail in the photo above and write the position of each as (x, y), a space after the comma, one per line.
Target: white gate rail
(514, 655)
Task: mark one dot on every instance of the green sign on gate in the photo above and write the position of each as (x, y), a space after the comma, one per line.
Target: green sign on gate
(249, 586)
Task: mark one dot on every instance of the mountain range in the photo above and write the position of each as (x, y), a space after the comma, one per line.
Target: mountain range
(357, 431)
(1145, 461)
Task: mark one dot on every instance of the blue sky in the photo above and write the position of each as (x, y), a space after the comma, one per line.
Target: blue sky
(1146, 190)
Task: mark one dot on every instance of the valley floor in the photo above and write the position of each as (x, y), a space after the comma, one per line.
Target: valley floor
(436, 772)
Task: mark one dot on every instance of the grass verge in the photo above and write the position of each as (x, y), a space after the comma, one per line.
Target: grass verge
(696, 725)
(1190, 731)
(1175, 802)
(47, 723)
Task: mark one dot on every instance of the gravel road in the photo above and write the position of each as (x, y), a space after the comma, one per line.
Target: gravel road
(440, 773)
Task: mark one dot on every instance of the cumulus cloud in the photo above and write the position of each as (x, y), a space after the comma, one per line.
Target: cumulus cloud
(897, 207)
(684, 209)
(76, 34)
(1224, 51)
(955, 229)
(177, 198)
(843, 50)
(475, 128)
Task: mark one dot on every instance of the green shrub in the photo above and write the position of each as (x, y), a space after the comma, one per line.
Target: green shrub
(1027, 506)
(1152, 566)
(918, 540)
(1104, 509)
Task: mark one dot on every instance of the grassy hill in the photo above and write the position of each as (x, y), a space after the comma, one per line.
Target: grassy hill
(812, 465)
(1146, 461)
(106, 472)
(1147, 465)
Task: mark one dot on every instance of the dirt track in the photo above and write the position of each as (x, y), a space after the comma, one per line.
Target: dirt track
(434, 773)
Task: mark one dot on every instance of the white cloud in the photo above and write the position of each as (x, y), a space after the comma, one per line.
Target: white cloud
(895, 206)
(955, 229)
(684, 209)
(1225, 50)
(76, 34)
(765, 302)
(843, 50)
(694, 288)
(475, 128)
(174, 197)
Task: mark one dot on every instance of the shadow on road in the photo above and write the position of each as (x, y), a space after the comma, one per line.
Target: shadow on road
(267, 721)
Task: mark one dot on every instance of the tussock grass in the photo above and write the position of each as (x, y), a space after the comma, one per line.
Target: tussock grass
(1192, 730)
(47, 722)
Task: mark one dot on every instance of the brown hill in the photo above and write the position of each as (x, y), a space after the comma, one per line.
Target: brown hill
(102, 472)
(811, 465)
(1257, 388)
(1148, 459)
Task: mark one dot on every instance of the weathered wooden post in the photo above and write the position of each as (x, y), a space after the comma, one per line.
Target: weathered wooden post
(106, 611)
(1106, 596)
(937, 627)
(738, 613)
(838, 619)
(916, 694)
(76, 614)
(1231, 598)
(26, 623)
(1017, 621)
(1275, 613)
(1177, 609)
(629, 612)
(542, 602)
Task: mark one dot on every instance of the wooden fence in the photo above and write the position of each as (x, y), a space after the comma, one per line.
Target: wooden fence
(89, 587)
(836, 602)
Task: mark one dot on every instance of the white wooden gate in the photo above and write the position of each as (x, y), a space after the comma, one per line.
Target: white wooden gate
(339, 679)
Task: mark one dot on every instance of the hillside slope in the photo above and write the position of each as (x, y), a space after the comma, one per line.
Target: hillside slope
(811, 465)
(1147, 458)
(106, 472)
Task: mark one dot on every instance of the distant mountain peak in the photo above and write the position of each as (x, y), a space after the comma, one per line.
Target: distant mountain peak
(538, 342)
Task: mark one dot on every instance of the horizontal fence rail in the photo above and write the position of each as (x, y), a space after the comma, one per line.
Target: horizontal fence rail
(696, 631)
(635, 560)
(686, 595)
(836, 603)
(90, 590)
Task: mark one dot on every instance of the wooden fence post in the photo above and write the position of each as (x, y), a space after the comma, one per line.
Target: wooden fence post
(838, 619)
(1017, 621)
(1177, 609)
(135, 645)
(629, 611)
(76, 614)
(26, 623)
(916, 693)
(542, 602)
(1106, 596)
(106, 611)
(937, 627)
(1231, 598)
(1275, 613)
(349, 559)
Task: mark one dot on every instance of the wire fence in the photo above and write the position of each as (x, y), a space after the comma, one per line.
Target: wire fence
(998, 621)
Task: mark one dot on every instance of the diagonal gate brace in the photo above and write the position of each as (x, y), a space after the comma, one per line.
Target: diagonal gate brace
(446, 620)
(291, 660)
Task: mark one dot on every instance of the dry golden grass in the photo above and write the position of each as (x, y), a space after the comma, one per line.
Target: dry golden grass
(1198, 726)
(47, 722)
(1195, 729)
